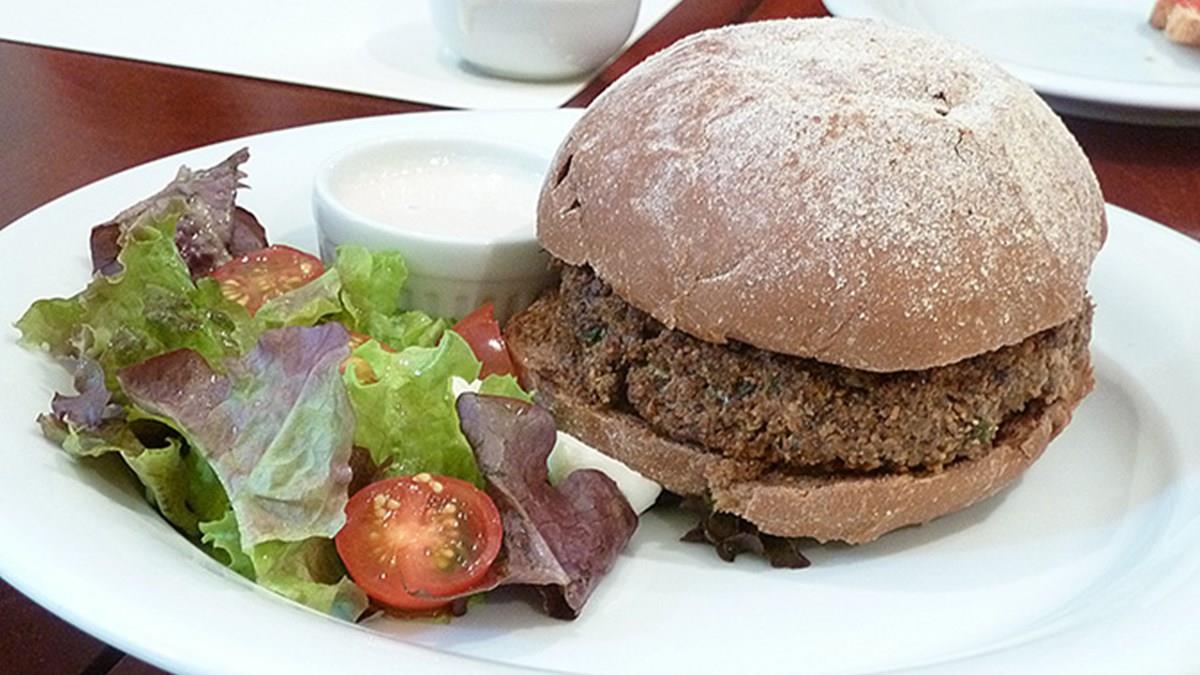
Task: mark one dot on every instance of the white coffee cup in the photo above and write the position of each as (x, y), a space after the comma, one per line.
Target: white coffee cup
(535, 39)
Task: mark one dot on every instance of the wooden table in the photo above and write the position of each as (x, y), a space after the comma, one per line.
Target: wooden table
(67, 119)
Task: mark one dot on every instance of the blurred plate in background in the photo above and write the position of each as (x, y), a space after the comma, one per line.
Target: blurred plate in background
(1099, 58)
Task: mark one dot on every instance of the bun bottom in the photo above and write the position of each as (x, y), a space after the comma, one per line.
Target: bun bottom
(850, 508)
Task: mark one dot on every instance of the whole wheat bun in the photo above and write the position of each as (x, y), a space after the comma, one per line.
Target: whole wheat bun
(860, 194)
(849, 508)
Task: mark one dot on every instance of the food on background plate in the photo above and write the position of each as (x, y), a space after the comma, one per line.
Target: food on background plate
(1179, 20)
(303, 429)
(828, 275)
(1158, 16)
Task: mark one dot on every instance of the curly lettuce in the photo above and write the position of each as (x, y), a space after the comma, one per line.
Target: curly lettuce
(212, 229)
(276, 428)
(405, 408)
(361, 291)
(308, 572)
(150, 307)
(240, 428)
(274, 434)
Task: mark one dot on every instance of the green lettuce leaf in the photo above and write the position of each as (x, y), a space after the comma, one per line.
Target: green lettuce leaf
(308, 571)
(406, 416)
(149, 308)
(111, 436)
(371, 281)
(406, 329)
(371, 286)
(178, 482)
(276, 429)
(51, 324)
(361, 291)
(312, 303)
(226, 542)
(311, 573)
(371, 290)
(187, 492)
(504, 385)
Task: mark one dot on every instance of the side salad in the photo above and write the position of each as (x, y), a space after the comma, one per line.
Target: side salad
(301, 428)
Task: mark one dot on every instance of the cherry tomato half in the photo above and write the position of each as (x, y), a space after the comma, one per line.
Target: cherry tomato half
(410, 540)
(481, 330)
(255, 278)
(359, 339)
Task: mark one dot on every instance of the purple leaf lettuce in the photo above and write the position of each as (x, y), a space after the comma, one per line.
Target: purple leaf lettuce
(92, 403)
(276, 429)
(210, 231)
(563, 539)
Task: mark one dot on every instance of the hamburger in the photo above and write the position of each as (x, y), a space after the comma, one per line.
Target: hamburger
(828, 275)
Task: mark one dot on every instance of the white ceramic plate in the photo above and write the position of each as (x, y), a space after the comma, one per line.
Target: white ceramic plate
(1095, 58)
(1092, 561)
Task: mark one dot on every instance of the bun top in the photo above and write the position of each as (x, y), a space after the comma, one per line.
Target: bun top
(863, 195)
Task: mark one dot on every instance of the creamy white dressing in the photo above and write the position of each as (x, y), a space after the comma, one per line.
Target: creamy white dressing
(570, 454)
(459, 195)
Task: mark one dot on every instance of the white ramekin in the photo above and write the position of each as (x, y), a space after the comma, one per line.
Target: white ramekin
(535, 39)
(449, 275)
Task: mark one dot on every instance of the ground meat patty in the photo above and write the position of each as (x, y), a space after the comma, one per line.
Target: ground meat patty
(790, 413)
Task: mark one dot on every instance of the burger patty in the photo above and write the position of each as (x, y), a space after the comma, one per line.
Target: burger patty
(795, 414)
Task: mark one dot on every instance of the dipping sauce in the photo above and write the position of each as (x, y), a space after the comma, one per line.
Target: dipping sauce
(462, 212)
(443, 192)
